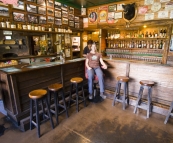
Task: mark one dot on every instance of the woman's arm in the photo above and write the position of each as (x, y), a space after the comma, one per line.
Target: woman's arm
(104, 66)
(86, 64)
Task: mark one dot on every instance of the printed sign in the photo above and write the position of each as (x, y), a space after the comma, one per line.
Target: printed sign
(118, 15)
(92, 16)
(112, 8)
(149, 16)
(162, 14)
(103, 10)
(111, 17)
(149, 2)
(169, 6)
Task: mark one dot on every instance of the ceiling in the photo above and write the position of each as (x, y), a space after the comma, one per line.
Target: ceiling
(85, 3)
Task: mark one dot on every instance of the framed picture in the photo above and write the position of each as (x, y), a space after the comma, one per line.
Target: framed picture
(41, 2)
(57, 5)
(71, 17)
(58, 14)
(71, 23)
(31, 8)
(42, 10)
(64, 14)
(112, 8)
(42, 20)
(19, 17)
(64, 21)
(71, 10)
(64, 7)
(76, 19)
(50, 11)
(50, 3)
(32, 19)
(76, 25)
(50, 19)
(58, 21)
(4, 11)
(32, 0)
(20, 5)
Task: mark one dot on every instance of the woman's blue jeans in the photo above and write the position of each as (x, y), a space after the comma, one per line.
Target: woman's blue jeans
(99, 74)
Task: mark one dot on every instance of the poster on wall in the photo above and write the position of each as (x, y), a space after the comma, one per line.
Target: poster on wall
(142, 9)
(103, 10)
(162, 14)
(112, 8)
(111, 17)
(149, 16)
(92, 16)
(85, 22)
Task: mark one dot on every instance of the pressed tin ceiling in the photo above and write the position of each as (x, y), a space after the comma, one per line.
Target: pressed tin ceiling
(85, 3)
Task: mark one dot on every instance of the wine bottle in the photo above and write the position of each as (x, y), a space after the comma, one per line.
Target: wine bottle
(161, 33)
(161, 45)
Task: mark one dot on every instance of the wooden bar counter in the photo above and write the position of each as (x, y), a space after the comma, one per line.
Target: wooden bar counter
(17, 84)
(18, 81)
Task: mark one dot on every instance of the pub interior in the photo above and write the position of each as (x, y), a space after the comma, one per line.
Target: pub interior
(43, 73)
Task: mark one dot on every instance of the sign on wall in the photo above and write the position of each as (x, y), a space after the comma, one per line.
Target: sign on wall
(103, 10)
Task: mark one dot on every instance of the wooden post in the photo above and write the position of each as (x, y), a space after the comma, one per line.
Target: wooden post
(166, 49)
(100, 40)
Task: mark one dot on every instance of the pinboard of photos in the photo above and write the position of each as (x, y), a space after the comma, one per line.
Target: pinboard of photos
(41, 12)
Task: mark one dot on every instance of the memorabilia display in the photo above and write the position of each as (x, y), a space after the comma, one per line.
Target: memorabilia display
(42, 20)
(64, 21)
(71, 23)
(19, 17)
(50, 19)
(42, 10)
(71, 17)
(20, 5)
(58, 14)
(64, 14)
(50, 11)
(41, 2)
(32, 19)
(58, 21)
(57, 5)
(71, 10)
(4, 11)
(76, 19)
(64, 7)
(50, 3)
(76, 25)
(31, 8)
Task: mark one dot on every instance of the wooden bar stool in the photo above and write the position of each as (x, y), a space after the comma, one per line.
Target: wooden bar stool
(36, 96)
(121, 80)
(55, 88)
(145, 84)
(169, 113)
(77, 81)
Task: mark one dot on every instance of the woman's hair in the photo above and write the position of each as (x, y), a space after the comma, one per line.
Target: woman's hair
(90, 42)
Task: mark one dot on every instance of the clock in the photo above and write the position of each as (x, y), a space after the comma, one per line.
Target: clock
(155, 6)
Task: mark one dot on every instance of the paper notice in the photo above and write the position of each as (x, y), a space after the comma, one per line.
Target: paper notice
(149, 2)
(149, 16)
(162, 14)
(171, 14)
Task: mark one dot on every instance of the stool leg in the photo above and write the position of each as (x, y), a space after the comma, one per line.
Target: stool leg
(139, 98)
(31, 113)
(119, 89)
(49, 113)
(83, 95)
(71, 88)
(42, 107)
(169, 112)
(115, 95)
(63, 98)
(127, 92)
(149, 102)
(37, 118)
(124, 97)
(56, 107)
(77, 102)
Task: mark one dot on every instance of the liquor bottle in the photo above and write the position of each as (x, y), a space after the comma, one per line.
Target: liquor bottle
(150, 35)
(142, 35)
(155, 34)
(151, 44)
(148, 44)
(161, 45)
(144, 44)
(130, 44)
(140, 44)
(164, 33)
(137, 44)
(146, 34)
(161, 33)
(157, 44)
(154, 44)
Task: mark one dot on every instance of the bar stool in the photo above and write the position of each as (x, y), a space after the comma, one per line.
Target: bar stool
(169, 113)
(121, 80)
(77, 81)
(36, 96)
(145, 84)
(55, 88)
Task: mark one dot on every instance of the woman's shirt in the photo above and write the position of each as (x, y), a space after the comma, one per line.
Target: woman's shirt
(94, 60)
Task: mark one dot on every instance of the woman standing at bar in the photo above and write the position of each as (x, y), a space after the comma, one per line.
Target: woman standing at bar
(93, 61)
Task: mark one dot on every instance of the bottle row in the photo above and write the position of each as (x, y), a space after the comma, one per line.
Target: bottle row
(150, 44)
(162, 33)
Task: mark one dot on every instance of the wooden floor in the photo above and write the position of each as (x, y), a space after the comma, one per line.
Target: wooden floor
(97, 123)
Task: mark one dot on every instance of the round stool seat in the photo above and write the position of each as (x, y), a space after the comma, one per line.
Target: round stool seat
(146, 83)
(55, 87)
(123, 78)
(36, 94)
(76, 80)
